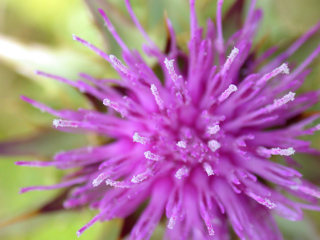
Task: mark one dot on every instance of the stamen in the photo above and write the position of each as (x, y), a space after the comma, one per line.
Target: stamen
(280, 102)
(119, 65)
(98, 180)
(310, 191)
(230, 60)
(282, 69)
(184, 171)
(140, 177)
(173, 218)
(264, 201)
(207, 167)
(283, 152)
(172, 72)
(127, 72)
(214, 129)
(275, 151)
(65, 123)
(139, 139)
(209, 226)
(115, 106)
(152, 156)
(214, 145)
(157, 97)
(172, 221)
(232, 88)
(117, 184)
(182, 144)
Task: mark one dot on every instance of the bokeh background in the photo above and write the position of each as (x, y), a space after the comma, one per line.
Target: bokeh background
(36, 35)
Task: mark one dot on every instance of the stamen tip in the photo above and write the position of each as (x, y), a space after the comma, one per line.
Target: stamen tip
(214, 145)
(285, 68)
(56, 122)
(182, 144)
(79, 233)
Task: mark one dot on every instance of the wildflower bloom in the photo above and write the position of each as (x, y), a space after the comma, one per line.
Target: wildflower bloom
(196, 145)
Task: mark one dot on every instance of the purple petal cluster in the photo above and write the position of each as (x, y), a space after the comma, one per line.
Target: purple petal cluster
(197, 144)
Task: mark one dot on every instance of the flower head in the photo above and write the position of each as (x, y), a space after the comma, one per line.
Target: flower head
(197, 144)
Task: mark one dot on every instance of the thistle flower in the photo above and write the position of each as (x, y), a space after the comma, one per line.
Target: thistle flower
(196, 145)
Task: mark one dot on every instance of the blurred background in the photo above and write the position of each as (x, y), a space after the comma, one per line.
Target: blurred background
(37, 35)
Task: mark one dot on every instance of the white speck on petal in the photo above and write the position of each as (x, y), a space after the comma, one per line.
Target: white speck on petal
(152, 156)
(214, 145)
(213, 129)
(182, 144)
(184, 171)
(139, 139)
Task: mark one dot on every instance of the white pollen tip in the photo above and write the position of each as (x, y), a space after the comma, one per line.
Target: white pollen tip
(106, 102)
(184, 171)
(134, 179)
(214, 145)
(115, 106)
(285, 68)
(96, 183)
(98, 180)
(171, 71)
(266, 202)
(229, 61)
(140, 177)
(310, 191)
(234, 53)
(169, 63)
(153, 87)
(291, 96)
(275, 151)
(112, 58)
(172, 222)
(207, 167)
(289, 151)
(232, 88)
(139, 139)
(214, 129)
(65, 123)
(285, 99)
(280, 102)
(116, 184)
(151, 156)
(182, 144)
(56, 122)
(157, 97)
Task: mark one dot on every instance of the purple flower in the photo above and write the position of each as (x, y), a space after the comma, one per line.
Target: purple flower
(197, 144)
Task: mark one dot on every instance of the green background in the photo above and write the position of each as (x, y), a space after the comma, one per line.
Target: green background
(36, 35)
